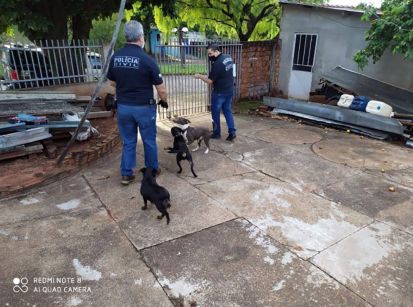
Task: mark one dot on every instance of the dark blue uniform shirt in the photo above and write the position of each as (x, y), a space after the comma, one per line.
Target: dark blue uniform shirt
(222, 74)
(135, 73)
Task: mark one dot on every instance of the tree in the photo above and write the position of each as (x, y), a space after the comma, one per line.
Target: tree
(45, 19)
(392, 28)
(242, 19)
(102, 29)
(145, 14)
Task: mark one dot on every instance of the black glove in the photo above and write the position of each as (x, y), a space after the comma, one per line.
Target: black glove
(163, 104)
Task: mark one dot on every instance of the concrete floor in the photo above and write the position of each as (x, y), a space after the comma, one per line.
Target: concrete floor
(287, 215)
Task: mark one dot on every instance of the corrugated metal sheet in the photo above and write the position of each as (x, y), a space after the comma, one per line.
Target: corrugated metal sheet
(339, 115)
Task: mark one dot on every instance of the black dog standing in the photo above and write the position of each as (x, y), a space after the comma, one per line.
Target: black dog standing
(156, 194)
(181, 149)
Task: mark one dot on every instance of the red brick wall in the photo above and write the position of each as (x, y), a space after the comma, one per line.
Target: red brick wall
(256, 68)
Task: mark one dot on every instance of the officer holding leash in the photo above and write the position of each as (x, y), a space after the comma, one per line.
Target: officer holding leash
(134, 73)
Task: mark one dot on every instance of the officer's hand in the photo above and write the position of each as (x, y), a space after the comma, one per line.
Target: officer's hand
(163, 104)
(197, 76)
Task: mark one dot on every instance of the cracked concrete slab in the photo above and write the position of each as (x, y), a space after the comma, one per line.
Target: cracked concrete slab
(235, 264)
(213, 259)
(370, 195)
(248, 126)
(208, 167)
(305, 171)
(376, 263)
(291, 136)
(399, 216)
(93, 260)
(216, 164)
(404, 176)
(191, 209)
(67, 195)
(235, 150)
(365, 154)
(305, 222)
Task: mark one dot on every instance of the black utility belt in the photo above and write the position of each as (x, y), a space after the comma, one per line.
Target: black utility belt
(135, 103)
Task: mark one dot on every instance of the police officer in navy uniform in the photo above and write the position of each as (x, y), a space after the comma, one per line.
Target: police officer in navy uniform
(134, 73)
(222, 79)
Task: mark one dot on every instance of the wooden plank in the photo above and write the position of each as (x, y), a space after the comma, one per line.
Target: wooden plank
(24, 137)
(37, 108)
(31, 101)
(45, 91)
(407, 123)
(62, 124)
(27, 150)
(9, 149)
(33, 95)
(83, 98)
(404, 116)
(98, 114)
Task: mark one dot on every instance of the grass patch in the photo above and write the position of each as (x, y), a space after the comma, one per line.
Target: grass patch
(244, 106)
(178, 69)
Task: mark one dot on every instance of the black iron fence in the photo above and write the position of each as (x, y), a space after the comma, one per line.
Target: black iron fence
(179, 63)
(49, 62)
(57, 62)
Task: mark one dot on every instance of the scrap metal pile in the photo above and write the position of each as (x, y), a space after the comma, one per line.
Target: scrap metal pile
(31, 121)
(355, 102)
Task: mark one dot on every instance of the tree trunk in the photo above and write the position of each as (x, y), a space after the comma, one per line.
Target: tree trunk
(81, 26)
(182, 49)
(147, 33)
(243, 37)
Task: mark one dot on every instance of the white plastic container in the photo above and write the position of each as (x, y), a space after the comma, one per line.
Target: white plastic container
(345, 101)
(379, 108)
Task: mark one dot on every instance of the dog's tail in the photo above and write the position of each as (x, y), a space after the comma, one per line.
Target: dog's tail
(167, 203)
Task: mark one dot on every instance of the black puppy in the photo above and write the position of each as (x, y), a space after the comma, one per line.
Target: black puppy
(152, 191)
(181, 149)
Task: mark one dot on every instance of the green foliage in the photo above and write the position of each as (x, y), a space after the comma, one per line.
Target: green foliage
(144, 13)
(102, 30)
(313, 1)
(178, 69)
(165, 23)
(244, 106)
(242, 19)
(392, 29)
(7, 35)
(45, 19)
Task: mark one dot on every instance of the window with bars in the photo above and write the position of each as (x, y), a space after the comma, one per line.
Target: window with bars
(304, 51)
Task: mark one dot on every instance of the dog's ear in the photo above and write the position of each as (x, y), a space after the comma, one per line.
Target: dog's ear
(142, 170)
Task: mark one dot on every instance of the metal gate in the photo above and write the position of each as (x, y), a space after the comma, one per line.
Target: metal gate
(51, 62)
(179, 63)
